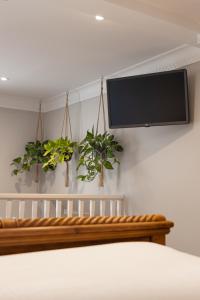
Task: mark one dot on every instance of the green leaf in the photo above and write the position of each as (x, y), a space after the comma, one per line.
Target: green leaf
(90, 135)
(15, 172)
(82, 177)
(110, 153)
(98, 167)
(17, 160)
(107, 165)
(119, 148)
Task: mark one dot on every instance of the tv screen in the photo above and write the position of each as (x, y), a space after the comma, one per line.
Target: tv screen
(148, 100)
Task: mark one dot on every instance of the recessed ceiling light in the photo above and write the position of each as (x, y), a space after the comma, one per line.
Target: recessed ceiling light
(99, 18)
(3, 78)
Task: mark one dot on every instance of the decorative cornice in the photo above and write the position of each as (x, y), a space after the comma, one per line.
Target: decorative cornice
(19, 103)
(82, 93)
(175, 58)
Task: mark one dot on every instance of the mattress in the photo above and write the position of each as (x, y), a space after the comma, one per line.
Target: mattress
(122, 271)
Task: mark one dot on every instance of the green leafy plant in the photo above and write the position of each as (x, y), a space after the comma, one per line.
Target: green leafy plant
(58, 151)
(97, 151)
(34, 155)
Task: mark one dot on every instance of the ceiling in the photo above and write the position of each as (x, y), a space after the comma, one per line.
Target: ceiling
(182, 12)
(50, 46)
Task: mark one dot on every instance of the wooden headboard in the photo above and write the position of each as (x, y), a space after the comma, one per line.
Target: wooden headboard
(26, 235)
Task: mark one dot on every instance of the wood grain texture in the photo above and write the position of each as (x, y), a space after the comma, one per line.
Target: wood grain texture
(25, 235)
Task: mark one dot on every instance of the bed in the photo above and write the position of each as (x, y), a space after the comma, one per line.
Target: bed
(130, 270)
(94, 258)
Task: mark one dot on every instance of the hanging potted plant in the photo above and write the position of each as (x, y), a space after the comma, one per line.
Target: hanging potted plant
(59, 151)
(33, 157)
(97, 151)
(34, 154)
(62, 149)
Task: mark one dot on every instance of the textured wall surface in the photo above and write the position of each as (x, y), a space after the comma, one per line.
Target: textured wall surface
(16, 129)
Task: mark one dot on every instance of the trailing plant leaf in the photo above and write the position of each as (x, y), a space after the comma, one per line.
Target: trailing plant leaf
(58, 151)
(107, 165)
(95, 152)
(34, 155)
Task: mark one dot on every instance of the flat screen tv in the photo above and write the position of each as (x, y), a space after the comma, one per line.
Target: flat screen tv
(148, 100)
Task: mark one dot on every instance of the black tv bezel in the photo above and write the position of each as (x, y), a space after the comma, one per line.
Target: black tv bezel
(184, 71)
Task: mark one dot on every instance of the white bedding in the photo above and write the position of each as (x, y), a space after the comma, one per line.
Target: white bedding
(123, 271)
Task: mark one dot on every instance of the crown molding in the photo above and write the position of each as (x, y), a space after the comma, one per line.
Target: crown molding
(85, 92)
(19, 103)
(174, 59)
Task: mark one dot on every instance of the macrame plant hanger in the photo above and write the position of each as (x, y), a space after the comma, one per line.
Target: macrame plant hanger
(101, 107)
(66, 132)
(39, 137)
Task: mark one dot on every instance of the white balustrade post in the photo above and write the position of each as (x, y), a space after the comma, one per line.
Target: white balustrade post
(58, 208)
(46, 208)
(70, 208)
(34, 208)
(8, 209)
(119, 207)
(92, 208)
(21, 209)
(102, 207)
(81, 208)
(112, 208)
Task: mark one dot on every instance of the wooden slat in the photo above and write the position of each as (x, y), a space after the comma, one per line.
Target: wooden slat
(92, 208)
(58, 208)
(70, 208)
(21, 209)
(46, 208)
(34, 208)
(8, 209)
(102, 208)
(80, 208)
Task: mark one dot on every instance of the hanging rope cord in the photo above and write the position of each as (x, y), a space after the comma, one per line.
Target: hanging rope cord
(66, 121)
(66, 128)
(40, 129)
(39, 137)
(101, 106)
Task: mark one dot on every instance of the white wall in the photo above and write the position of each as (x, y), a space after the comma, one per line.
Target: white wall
(16, 129)
(159, 170)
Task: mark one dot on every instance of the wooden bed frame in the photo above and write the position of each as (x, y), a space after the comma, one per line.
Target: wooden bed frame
(27, 235)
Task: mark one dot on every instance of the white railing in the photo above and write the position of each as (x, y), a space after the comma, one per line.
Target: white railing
(58, 205)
